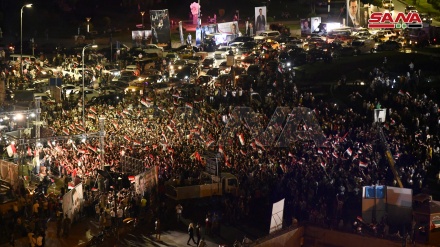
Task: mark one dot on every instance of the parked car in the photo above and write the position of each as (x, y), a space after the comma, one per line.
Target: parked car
(425, 18)
(388, 4)
(389, 45)
(363, 46)
(208, 63)
(410, 8)
(109, 99)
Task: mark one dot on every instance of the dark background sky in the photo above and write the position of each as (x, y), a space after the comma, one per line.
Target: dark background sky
(63, 17)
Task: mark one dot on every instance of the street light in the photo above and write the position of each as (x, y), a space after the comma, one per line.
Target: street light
(88, 21)
(142, 13)
(83, 70)
(21, 37)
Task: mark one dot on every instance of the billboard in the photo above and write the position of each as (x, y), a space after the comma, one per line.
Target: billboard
(146, 181)
(314, 23)
(72, 202)
(160, 28)
(140, 38)
(228, 30)
(276, 222)
(260, 19)
(305, 27)
(353, 13)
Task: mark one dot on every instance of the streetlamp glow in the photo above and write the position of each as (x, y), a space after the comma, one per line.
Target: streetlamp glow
(21, 37)
(83, 74)
(142, 13)
(88, 22)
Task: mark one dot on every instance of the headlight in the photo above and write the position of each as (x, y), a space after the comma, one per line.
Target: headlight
(288, 64)
(43, 72)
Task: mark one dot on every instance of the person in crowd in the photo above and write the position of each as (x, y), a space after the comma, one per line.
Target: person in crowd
(191, 234)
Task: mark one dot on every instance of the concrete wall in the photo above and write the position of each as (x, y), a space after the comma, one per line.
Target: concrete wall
(293, 238)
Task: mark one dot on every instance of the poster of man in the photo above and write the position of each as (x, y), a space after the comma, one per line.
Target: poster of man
(72, 202)
(229, 31)
(160, 28)
(140, 183)
(305, 27)
(260, 19)
(315, 23)
(353, 17)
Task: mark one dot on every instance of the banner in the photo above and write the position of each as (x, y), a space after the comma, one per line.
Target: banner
(314, 25)
(305, 27)
(260, 19)
(160, 28)
(138, 38)
(146, 181)
(73, 202)
(353, 16)
(276, 222)
(228, 30)
(9, 173)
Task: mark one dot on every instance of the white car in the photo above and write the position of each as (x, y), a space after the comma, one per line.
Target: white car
(88, 93)
(66, 89)
(221, 52)
(110, 70)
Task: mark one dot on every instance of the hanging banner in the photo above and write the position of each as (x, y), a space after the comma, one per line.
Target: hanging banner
(353, 16)
(73, 202)
(146, 181)
(182, 41)
(160, 28)
(305, 27)
(260, 19)
(228, 30)
(314, 25)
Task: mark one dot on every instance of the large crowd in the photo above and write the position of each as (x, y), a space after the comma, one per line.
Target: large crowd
(319, 182)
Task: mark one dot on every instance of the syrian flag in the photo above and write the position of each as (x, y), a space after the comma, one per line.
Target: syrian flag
(72, 127)
(81, 128)
(115, 124)
(137, 143)
(363, 164)
(220, 149)
(209, 143)
(91, 116)
(320, 151)
(49, 144)
(349, 151)
(126, 112)
(408, 95)
(11, 150)
(176, 95)
(92, 148)
(189, 105)
(280, 69)
(254, 146)
(93, 110)
(241, 138)
(227, 163)
(127, 138)
(145, 103)
(323, 165)
(81, 151)
(290, 154)
(258, 143)
(335, 154)
(393, 122)
(71, 185)
(66, 131)
(355, 157)
(243, 152)
(131, 179)
(401, 93)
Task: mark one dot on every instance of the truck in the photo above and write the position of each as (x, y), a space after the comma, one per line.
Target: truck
(210, 185)
(419, 37)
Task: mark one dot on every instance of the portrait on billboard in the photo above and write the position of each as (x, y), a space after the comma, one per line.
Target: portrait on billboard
(260, 18)
(138, 38)
(305, 27)
(353, 15)
(160, 27)
(314, 25)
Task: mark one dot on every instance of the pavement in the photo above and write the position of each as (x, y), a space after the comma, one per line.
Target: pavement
(82, 231)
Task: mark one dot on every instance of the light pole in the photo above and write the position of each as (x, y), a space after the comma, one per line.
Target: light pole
(142, 13)
(88, 22)
(21, 37)
(83, 70)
